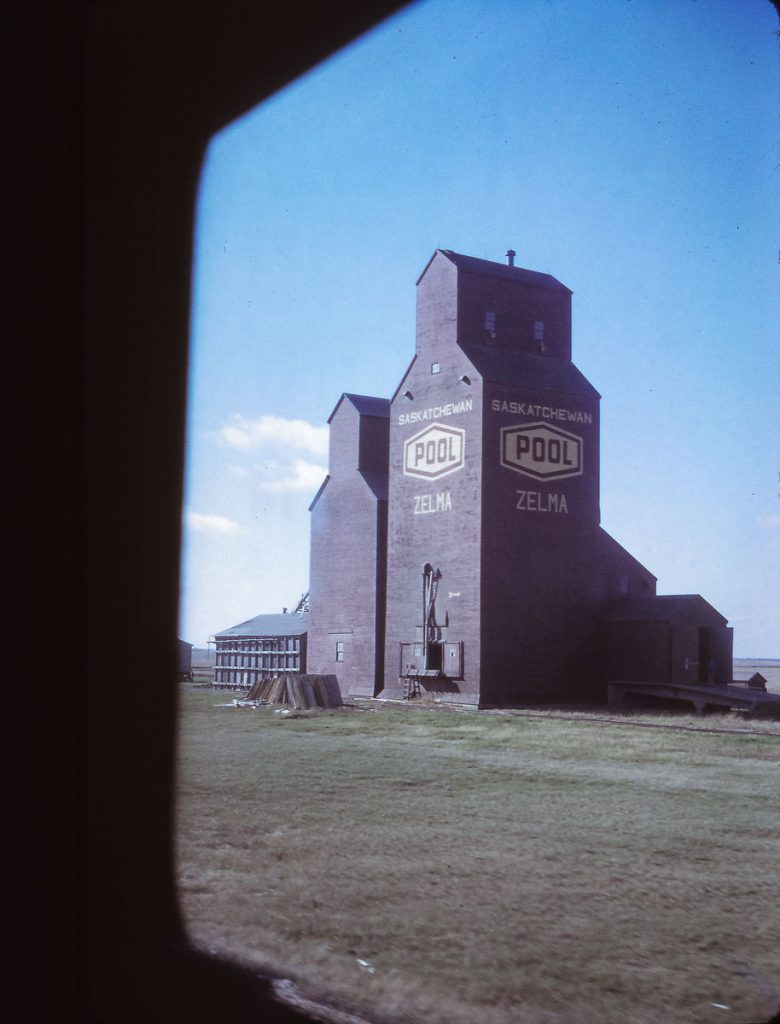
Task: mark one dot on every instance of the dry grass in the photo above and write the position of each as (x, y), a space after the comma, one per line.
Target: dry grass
(447, 867)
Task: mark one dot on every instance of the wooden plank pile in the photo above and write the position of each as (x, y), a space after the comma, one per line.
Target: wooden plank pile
(296, 691)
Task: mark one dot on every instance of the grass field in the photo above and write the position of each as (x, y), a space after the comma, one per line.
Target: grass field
(418, 865)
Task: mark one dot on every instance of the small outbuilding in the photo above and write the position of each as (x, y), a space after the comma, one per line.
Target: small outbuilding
(185, 661)
(265, 646)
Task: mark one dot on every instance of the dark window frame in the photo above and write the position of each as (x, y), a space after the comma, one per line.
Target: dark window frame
(147, 72)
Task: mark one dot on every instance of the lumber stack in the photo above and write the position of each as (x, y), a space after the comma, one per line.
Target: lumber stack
(297, 691)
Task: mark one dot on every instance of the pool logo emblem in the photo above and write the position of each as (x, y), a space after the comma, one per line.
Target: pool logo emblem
(434, 452)
(541, 451)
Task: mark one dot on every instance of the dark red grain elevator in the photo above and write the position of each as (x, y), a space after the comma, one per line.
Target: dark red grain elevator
(494, 584)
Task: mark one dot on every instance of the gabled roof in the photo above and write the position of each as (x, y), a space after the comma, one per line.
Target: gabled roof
(472, 265)
(503, 366)
(376, 482)
(365, 405)
(269, 625)
(663, 608)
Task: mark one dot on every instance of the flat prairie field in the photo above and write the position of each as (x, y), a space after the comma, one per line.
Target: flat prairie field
(419, 865)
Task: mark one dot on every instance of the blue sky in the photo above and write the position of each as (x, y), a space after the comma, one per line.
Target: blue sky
(628, 147)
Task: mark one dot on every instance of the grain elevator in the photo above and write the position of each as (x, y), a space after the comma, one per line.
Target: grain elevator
(456, 546)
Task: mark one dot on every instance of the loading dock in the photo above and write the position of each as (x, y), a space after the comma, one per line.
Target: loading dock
(701, 698)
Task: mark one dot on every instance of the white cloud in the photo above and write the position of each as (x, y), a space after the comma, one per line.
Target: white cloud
(219, 526)
(299, 476)
(274, 431)
(237, 471)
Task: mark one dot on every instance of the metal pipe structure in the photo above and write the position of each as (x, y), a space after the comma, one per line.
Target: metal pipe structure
(427, 571)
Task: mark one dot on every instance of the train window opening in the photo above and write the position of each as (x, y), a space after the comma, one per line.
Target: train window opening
(269, 438)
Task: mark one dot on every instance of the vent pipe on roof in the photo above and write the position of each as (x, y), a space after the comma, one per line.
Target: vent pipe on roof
(510, 257)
